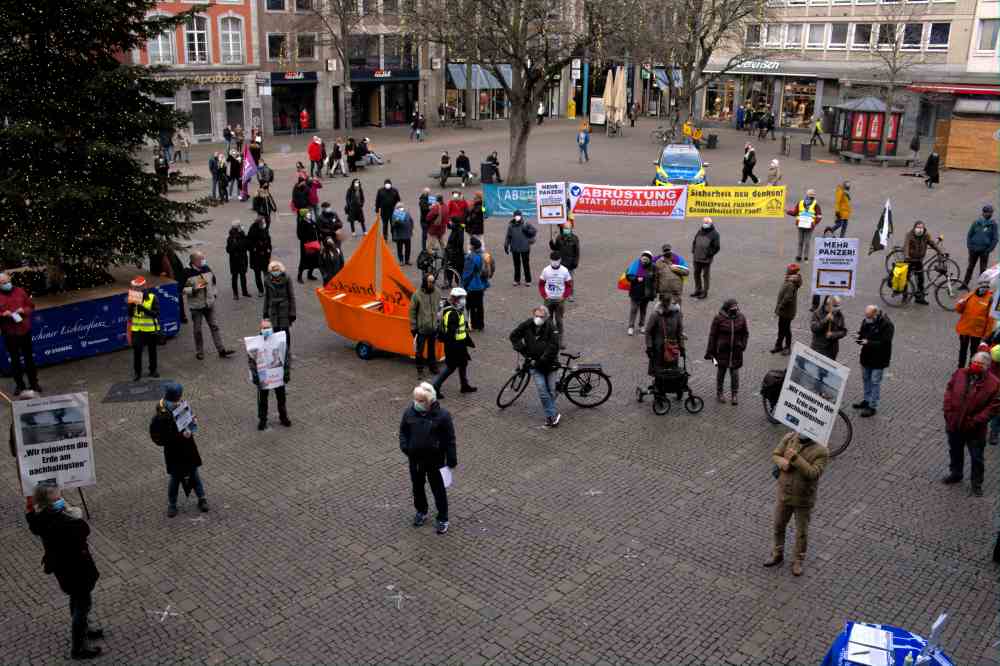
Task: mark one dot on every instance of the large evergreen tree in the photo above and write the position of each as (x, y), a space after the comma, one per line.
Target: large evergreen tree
(75, 120)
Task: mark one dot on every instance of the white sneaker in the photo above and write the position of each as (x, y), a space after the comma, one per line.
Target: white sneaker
(642, 329)
(631, 331)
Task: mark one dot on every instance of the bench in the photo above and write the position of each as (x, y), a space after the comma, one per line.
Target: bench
(473, 177)
(848, 156)
(893, 160)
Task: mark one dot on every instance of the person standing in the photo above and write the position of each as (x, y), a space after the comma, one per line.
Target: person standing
(331, 259)
(817, 133)
(914, 250)
(475, 224)
(236, 248)
(315, 154)
(259, 246)
(454, 334)
(427, 439)
(16, 308)
(354, 206)
(463, 167)
(538, 342)
(828, 327)
(423, 325)
(975, 323)
(664, 340)
(786, 308)
(567, 244)
(583, 143)
(161, 166)
(263, 204)
(266, 331)
(424, 205)
(520, 236)
(200, 289)
(180, 452)
(183, 146)
(740, 115)
(402, 232)
(774, 172)
(144, 326)
(476, 281)
(669, 280)
(727, 339)
(875, 338)
(841, 208)
(799, 464)
(385, 206)
(981, 241)
(64, 534)
(279, 300)
(541, 112)
(227, 137)
(306, 232)
(234, 163)
(749, 162)
(303, 120)
(807, 214)
(704, 247)
(437, 225)
(932, 170)
(969, 401)
(555, 285)
(641, 290)
(215, 169)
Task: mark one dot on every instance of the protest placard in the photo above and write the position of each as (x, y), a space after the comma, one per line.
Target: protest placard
(736, 201)
(269, 355)
(811, 394)
(835, 266)
(550, 202)
(54, 441)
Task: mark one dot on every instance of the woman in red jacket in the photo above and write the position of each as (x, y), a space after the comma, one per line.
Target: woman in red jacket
(16, 307)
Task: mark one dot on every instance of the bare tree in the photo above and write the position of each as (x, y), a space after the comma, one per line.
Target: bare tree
(340, 19)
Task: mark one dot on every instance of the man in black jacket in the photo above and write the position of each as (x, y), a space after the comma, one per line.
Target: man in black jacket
(385, 203)
(424, 203)
(180, 452)
(427, 438)
(536, 339)
(463, 167)
(704, 247)
(875, 338)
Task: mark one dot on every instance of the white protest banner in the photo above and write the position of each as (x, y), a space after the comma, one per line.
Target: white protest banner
(835, 266)
(811, 394)
(550, 203)
(183, 416)
(54, 441)
(269, 356)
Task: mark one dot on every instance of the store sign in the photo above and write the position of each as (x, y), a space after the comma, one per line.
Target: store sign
(207, 79)
(759, 66)
(382, 74)
(295, 76)
(279, 77)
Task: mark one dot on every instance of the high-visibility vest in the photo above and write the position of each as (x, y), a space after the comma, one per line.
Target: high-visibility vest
(142, 320)
(810, 209)
(460, 333)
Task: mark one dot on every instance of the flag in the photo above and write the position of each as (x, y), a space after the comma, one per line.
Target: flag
(249, 166)
(883, 230)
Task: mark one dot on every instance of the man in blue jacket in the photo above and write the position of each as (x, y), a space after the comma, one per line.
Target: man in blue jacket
(981, 241)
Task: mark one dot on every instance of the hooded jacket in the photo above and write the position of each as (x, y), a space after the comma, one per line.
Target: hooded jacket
(827, 346)
(520, 236)
(975, 310)
(279, 301)
(915, 247)
(259, 245)
(423, 311)
(706, 245)
(842, 203)
(236, 248)
(969, 402)
(788, 296)
(663, 326)
(568, 247)
(727, 338)
(982, 236)
(180, 453)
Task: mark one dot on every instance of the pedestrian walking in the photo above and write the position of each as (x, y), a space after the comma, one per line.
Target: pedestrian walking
(915, 246)
(828, 327)
(16, 310)
(424, 325)
(476, 280)
(932, 170)
(259, 247)
(463, 167)
(975, 323)
(669, 276)
(279, 300)
(704, 247)
(538, 342)
(555, 285)
(641, 278)
(583, 143)
(331, 259)
(354, 206)
(727, 340)
(174, 432)
(799, 464)
(266, 359)
(161, 165)
(454, 334)
(774, 172)
(200, 290)
(981, 241)
(424, 206)
(239, 259)
(308, 235)
(385, 204)
(402, 232)
(808, 215)
(749, 162)
(427, 439)
(970, 400)
(841, 208)
(64, 534)
(817, 133)
(144, 324)
(445, 168)
(915, 147)
(786, 308)
(875, 337)
(520, 237)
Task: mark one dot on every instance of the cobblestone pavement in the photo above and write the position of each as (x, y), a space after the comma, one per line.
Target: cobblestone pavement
(620, 537)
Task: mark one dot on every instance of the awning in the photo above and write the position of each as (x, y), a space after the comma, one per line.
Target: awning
(482, 77)
(955, 88)
(661, 78)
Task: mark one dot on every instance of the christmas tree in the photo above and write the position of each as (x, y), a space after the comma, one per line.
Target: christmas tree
(76, 121)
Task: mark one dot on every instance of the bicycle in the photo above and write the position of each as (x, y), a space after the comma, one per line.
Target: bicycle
(436, 263)
(663, 135)
(840, 436)
(941, 274)
(585, 385)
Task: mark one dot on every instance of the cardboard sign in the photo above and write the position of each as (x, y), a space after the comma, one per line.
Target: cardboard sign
(54, 441)
(812, 393)
(268, 355)
(835, 266)
(627, 201)
(550, 203)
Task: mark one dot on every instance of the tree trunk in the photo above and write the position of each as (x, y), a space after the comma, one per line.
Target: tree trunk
(520, 128)
(348, 94)
(468, 98)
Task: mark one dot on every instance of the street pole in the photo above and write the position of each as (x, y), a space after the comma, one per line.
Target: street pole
(586, 82)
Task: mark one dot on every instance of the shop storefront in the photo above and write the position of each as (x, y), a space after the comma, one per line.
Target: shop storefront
(384, 96)
(792, 92)
(720, 97)
(491, 98)
(291, 92)
(214, 101)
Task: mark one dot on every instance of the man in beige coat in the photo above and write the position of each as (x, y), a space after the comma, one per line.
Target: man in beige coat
(799, 463)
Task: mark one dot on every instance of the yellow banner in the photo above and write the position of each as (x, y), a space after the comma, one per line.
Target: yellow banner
(736, 201)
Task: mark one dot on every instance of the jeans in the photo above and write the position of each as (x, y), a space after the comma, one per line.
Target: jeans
(957, 443)
(142, 339)
(423, 236)
(967, 346)
(428, 469)
(521, 260)
(784, 340)
(403, 251)
(175, 483)
(168, 153)
(477, 309)
(240, 278)
(748, 173)
(917, 271)
(19, 347)
(982, 257)
(216, 187)
(584, 156)
(556, 308)
(316, 168)
(208, 314)
(816, 136)
(805, 237)
(80, 603)
(445, 172)
(426, 341)
(449, 369)
(840, 224)
(702, 277)
(464, 175)
(546, 393)
(782, 515)
(640, 307)
(873, 385)
(262, 399)
(720, 379)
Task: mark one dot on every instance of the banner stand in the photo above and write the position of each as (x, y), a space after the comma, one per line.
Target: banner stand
(83, 501)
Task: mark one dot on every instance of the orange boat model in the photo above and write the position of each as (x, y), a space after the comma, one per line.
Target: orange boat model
(368, 301)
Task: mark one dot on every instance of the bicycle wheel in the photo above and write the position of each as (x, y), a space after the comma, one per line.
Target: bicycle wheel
(946, 267)
(892, 257)
(841, 436)
(587, 388)
(896, 299)
(694, 404)
(513, 389)
(661, 405)
(768, 409)
(948, 292)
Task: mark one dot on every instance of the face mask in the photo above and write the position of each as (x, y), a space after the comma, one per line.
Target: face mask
(454, 196)
(7, 286)
(266, 332)
(674, 307)
(461, 302)
(388, 186)
(869, 320)
(566, 232)
(555, 264)
(357, 186)
(517, 218)
(538, 320)
(847, 188)
(733, 311)
(419, 406)
(644, 261)
(275, 273)
(976, 369)
(59, 504)
(918, 232)
(706, 226)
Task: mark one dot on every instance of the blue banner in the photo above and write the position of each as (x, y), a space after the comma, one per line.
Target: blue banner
(503, 200)
(87, 328)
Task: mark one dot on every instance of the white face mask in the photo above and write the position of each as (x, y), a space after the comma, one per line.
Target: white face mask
(556, 264)
(454, 196)
(266, 332)
(538, 320)
(461, 302)
(674, 307)
(388, 186)
(706, 226)
(517, 218)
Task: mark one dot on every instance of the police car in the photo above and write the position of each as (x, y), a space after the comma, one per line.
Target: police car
(680, 164)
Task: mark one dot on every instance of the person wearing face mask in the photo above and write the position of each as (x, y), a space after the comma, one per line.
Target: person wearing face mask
(981, 241)
(975, 322)
(875, 338)
(454, 251)
(520, 237)
(354, 206)
(268, 358)
(567, 244)
(555, 285)
(437, 225)
(199, 287)
(475, 223)
(808, 215)
(664, 338)
(727, 339)
(704, 247)
(786, 309)
(402, 233)
(423, 325)
(180, 452)
(331, 259)
(236, 248)
(385, 204)
(969, 401)
(641, 289)
(538, 342)
(915, 249)
(453, 332)
(476, 281)
(259, 245)
(842, 207)
(427, 439)
(64, 534)
(424, 206)
(279, 300)
(669, 275)
(828, 327)
(16, 308)
(144, 326)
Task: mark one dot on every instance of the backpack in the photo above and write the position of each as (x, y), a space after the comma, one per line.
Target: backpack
(771, 385)
(157, 428)
(489, 267)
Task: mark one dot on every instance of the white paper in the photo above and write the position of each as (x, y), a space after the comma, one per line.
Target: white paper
(54, 441)
(835, 266)
(268, 355)
(183, 416)
(867, 655)
(446, 476)
(865, 635)
(16, 317)
(805, 221)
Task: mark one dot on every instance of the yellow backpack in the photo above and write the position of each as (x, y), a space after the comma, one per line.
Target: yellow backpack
(900, 273)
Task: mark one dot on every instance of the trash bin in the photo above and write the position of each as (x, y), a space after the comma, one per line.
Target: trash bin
(806, 153)
(487, 173)
(713, 141)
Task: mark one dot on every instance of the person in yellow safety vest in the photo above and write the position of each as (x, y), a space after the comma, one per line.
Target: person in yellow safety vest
(807, 214)
(817, 134)
(454, 334)
(696, 135)
(144, 326)
(687, 129)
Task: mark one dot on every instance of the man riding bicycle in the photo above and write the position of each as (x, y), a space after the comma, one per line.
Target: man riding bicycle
(536, 339)
(915, 249)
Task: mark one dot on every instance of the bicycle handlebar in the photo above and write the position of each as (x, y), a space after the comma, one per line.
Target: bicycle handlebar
(570, 357)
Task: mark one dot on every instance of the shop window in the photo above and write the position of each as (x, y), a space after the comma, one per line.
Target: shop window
(838, 35)
(161, 49)
(201, 113)
(938, 39)
(886, 35)
(303, 5)
(862, 36)
(234, 107)
(305, 45)
(196, 40)
(362, 51)
(369, 7)
(775, 3)
(913, 36)
(796, 2)
(398, 52)
(915, 1)
(276, 45)
(988, 29)
(841, 2)
(231, 40)
(719, 97)
(889, 2)
(793, 36)
(816, 36)
(753, 34)
(275, 5)
(799, 103)
(819, 2)
(864, 2)
(774, 35)
(390, 6)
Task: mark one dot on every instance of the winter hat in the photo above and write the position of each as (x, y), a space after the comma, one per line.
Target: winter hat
(646, 253)
(987, 209)
(235, 224)
(792, 269)
(172, 392)
(667, 248)
(475, 243)
(774, 163)
(811, 193)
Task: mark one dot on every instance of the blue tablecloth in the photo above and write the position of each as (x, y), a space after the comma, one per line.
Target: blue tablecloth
(903, 642)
